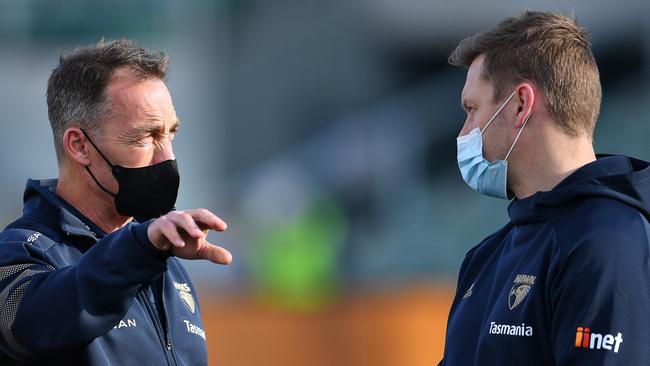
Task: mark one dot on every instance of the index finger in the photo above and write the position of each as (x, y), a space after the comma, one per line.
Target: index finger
(207, 220)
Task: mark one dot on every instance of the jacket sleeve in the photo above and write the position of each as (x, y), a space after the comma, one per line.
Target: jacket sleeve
(600, 296)
(43, 309)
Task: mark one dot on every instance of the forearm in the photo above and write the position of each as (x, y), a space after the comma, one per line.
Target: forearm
(74, 305)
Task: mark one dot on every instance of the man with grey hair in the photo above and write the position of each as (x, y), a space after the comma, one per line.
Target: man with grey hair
(81, 281)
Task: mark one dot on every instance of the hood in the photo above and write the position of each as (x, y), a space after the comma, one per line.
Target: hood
(615, 177)
(42, 204)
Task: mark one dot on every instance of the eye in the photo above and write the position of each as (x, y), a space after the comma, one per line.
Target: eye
(144, 140)
(172, 133)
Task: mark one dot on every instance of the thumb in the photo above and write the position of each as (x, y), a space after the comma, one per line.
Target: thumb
(214, 254)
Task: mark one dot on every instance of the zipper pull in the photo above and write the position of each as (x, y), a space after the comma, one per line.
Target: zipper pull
(169, 344)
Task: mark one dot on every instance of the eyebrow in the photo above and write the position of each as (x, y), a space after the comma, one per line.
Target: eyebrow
(463, 101)
(151, 127)
(466, 102)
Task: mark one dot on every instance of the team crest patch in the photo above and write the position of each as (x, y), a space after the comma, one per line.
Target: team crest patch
(521, 288)
(186, 295)
(469, 292)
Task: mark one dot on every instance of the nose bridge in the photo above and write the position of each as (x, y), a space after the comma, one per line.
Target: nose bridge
(164, 152)
(467, 126)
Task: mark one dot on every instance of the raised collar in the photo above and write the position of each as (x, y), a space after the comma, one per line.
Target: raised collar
(43, 204)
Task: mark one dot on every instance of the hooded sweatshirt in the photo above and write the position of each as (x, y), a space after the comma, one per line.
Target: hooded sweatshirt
(71, 294)
(566, 281)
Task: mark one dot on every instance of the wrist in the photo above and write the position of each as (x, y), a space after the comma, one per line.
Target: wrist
(141, 232)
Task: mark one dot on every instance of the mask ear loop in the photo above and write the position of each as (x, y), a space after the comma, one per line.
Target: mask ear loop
(99, 184)
(108, 162)
(95, 146)
(498, 110)
(517, 138)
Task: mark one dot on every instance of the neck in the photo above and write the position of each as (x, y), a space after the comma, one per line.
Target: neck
(553, 161)
(96, 205)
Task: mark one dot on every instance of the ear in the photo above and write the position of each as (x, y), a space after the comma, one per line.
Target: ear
(525, 99)
(75, 146)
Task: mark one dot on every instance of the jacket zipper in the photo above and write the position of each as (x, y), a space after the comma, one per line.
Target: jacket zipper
(165, 342)
(164, 336)
(167, 328)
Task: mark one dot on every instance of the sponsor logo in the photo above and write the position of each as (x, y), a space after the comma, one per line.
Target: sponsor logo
(185, 293)
(469, 291)
(586, 339)
(129, 323)
(194, 329)
(32, 238)
(522, 330)
(521, 288)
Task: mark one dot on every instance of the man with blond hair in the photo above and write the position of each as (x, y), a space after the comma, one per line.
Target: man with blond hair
(567, 280)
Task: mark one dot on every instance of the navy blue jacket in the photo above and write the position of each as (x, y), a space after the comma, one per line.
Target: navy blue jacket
(566, 281)
(72, 295)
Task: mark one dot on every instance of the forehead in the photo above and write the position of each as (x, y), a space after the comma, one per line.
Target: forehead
(133, 102)
(149, 94)
(476, 86)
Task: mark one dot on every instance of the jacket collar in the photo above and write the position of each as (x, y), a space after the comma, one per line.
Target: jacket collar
(43, 204)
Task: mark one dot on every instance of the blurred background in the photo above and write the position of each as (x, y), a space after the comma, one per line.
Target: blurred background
(323, 132)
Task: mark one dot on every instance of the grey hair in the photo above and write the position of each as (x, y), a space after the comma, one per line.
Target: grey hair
(75, 90)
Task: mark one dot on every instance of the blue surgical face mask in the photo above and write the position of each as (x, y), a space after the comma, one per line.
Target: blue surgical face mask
(488, 178)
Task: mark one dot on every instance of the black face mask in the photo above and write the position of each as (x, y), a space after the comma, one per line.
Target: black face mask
(144, 193)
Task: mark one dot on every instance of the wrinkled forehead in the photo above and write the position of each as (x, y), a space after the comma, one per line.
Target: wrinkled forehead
(133, 103)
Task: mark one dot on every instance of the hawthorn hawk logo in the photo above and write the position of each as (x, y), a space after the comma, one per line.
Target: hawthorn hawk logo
(521, 288)
(185, 293)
